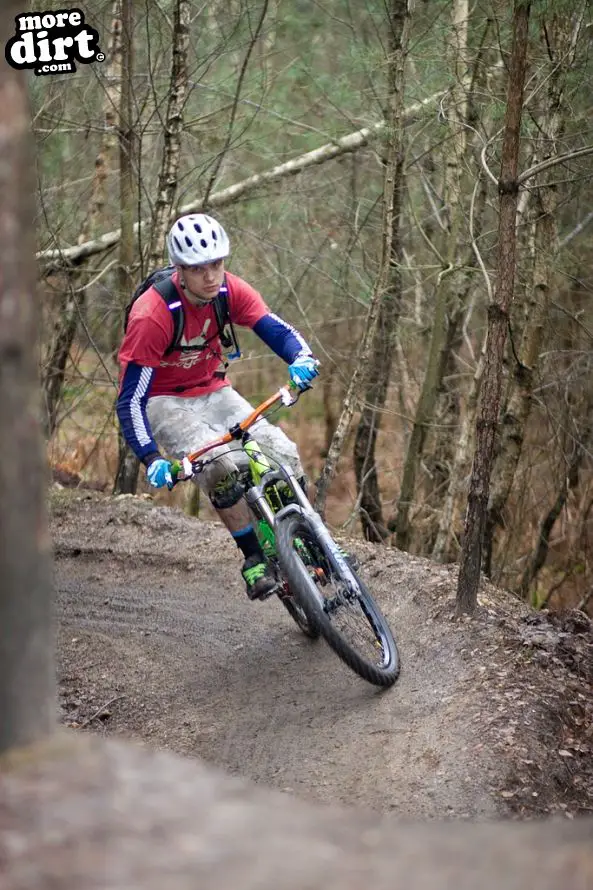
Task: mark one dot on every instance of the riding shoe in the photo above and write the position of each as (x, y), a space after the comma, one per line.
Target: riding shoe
(259, 578)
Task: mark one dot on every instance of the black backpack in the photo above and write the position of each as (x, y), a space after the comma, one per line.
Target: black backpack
(162, 282)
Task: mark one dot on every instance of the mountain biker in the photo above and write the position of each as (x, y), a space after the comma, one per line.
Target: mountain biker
(183, 400)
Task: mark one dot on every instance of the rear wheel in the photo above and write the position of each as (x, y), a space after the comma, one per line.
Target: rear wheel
(352, 624)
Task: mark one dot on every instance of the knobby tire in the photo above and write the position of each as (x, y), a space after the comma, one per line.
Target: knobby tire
(299, 577)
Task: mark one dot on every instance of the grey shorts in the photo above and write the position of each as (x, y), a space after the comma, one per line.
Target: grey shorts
(182, 425)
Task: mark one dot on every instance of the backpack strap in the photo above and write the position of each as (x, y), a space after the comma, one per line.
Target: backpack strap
(168, 292)
(223, 318)
(221, 313)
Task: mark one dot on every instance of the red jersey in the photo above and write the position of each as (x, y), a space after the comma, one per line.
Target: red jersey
(150, 331)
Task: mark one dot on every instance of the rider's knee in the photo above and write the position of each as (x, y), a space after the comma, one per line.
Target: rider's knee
(226, 492)
(288, 453)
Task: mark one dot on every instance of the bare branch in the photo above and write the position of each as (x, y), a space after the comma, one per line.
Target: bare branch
(240, 79)
(483, 160)
(101, 710)
(475, 247)
(577, 230)
(553, 162)
(58, 257)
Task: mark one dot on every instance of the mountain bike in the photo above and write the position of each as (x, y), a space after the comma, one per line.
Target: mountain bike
(318, 583)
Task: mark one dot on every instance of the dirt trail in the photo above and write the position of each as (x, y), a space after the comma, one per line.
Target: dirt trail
(154, 625)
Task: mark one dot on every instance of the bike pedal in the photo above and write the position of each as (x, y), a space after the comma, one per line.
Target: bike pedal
(269, 593)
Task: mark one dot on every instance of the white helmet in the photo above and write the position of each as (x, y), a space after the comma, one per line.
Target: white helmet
(196, 239)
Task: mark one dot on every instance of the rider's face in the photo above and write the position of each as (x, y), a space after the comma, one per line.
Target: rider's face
(203, 281)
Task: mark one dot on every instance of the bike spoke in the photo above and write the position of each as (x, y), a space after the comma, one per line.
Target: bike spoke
(344, 609)
(348, 615)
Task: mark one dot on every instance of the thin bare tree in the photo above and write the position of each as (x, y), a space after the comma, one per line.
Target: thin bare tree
(169, 173)
(67, 313)
(446, 543)
(26, 633)
(383, 344)
(463, 286)
(254, 38)
(127, 476)
(454, 283)
(498, 318)
(384, 285)
(126, 479)
(560, 35)
(581, 440)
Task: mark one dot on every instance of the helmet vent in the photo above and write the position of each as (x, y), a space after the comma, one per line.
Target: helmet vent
(203, 242)
(198, 228)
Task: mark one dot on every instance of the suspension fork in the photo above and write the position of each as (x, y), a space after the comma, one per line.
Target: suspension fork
(256, 496)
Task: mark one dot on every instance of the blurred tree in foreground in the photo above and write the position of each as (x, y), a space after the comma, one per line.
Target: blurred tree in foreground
(26, 636)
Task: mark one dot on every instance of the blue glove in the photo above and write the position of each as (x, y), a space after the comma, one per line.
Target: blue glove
(303, 370)
(159, 473)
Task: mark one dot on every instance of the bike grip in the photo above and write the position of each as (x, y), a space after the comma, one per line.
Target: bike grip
(293, 385)
(300, 389)
(176, 468)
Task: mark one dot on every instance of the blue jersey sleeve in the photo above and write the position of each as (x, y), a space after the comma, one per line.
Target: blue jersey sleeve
(281, 337)
(131, 410)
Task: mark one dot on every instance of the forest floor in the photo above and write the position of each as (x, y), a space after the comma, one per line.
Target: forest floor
(157, 642)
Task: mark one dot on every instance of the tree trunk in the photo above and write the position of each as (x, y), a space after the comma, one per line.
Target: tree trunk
(498, 317)
(447, 539)
(267, 47)
(383, 345)
(423, 417)
(560, 41)
(452, 285)
(329, 414)
(449, 453)
(68, 311)
(26, 633)
(383, 284)
(126, 480)
(446, 435)
(379, 372)
(570, 480)
(168, 181)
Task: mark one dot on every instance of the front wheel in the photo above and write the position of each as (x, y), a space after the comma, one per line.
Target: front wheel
(299, 616)
(352, 624)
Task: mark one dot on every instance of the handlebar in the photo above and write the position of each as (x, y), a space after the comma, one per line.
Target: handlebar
(282, 395)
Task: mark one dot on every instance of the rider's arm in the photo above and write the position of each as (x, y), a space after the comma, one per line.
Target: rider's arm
(247, 308)
(281, 337)
(142, 349)
(131, 411)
